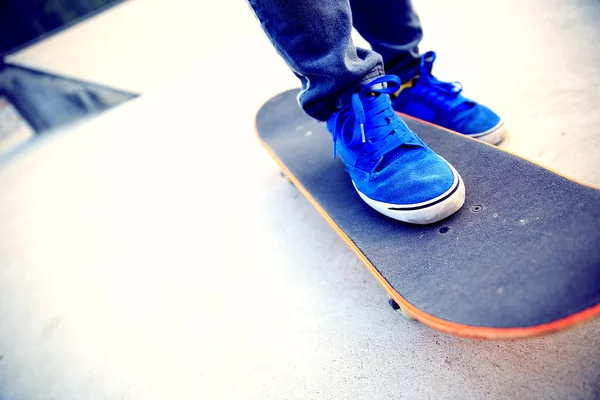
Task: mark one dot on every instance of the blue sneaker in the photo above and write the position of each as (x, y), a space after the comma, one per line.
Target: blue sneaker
(392, 170)
(441, 103)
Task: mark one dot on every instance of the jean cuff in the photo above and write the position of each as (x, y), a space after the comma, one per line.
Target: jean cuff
(405, 70)
(346, 94)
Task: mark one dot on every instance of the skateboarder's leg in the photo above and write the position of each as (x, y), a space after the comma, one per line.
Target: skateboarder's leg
(393, 29)
(313, 37)
(392, 170)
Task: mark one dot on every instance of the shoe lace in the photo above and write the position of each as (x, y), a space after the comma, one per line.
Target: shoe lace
(439, 92)
(384, 133)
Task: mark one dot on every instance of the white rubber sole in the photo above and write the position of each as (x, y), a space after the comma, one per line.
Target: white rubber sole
(492, 136)
(426, 212)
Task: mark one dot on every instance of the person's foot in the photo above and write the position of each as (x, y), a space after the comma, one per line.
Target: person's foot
(441, 103)
(392, 170)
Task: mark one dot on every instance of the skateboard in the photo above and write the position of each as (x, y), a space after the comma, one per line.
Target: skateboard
(521, 258)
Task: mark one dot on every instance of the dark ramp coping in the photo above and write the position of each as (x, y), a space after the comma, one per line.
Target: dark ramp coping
(523, 251)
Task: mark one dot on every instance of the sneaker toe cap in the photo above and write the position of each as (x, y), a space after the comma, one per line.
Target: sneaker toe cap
(478, 120)
(411, 182)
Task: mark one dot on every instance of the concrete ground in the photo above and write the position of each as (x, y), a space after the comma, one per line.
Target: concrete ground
(123, 277)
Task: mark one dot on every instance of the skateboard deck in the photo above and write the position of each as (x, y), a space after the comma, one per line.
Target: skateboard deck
(521, 258)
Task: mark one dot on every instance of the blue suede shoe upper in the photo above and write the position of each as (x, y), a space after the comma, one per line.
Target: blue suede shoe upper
(442, 103)
(386, 161)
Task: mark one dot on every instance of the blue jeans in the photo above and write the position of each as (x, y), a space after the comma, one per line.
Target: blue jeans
(313, 37)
